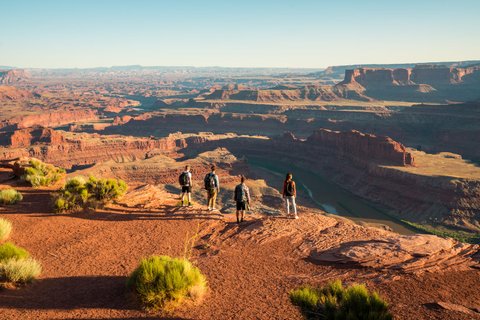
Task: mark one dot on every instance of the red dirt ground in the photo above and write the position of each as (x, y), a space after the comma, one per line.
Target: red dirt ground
(87, 257)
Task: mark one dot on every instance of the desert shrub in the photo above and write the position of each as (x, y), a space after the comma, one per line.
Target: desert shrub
(73, 196)
(10, 196)
(19, 270)
(38, 173)
(10, 251)
(306, 298)
(334, 302)
(5, 229)
(165, 283)
(103, 190)
(79, 193)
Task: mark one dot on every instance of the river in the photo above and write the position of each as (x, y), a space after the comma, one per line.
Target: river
(329, 196)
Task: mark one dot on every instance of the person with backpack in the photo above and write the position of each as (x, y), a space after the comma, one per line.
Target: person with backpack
(242, 198)
(289, 194)
(185, 180)
(212, 185)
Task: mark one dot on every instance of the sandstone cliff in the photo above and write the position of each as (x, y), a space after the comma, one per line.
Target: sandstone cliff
(355, 145)
(53, 118)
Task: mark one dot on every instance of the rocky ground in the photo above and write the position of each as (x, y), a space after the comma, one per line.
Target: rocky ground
(250, 268)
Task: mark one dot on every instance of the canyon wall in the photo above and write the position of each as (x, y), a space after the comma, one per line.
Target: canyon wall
(53, 118)
(67, 150)
(356, 146)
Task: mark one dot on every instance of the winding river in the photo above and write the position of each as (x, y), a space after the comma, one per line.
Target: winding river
(328, 196)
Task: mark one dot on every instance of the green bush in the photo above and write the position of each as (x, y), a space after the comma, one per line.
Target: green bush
(334, 302)
(10, 251)
(10, 196)
(165, 283)
(19, 270)
(38, 173)
(78, 193)
(5, 229)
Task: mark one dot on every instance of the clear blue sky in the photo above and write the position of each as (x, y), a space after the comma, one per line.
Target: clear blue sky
(245, 33)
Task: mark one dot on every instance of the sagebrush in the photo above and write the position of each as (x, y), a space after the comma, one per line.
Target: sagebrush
(19, 270)
(10, 196)
(38, 173)
(10, 251)
(5, 229)
(334, 302)
(165, 283)
(79, 193)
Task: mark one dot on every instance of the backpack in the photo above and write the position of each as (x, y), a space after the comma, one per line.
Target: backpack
(209, 181)
(183, 179)
(290, 190)
(240, 193)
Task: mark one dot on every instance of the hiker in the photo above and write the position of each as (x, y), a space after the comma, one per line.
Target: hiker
(242, 198)
(185, 181)
(212, 186)
(289, 194)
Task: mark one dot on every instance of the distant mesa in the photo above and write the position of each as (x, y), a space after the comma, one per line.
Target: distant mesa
(13, 76)
(435, 75)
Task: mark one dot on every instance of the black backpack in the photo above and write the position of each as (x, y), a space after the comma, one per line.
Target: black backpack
(290, 190)
(209, 181)
(183, 179)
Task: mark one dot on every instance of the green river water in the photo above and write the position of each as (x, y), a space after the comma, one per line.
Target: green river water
(328, 196)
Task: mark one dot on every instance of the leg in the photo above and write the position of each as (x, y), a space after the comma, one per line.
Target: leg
(189, 197)
(287, 204)
(182, 198)
(294, 205)
(214, 199)
(242, 215)
(238, 216)
(209, 199)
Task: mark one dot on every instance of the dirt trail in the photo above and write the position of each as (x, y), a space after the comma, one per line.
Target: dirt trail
(250, 268)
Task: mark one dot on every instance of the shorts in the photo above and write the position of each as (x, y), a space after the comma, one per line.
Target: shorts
(186, 189)
(241, 206)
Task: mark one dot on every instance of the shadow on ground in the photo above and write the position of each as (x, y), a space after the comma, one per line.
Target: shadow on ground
(103, 292)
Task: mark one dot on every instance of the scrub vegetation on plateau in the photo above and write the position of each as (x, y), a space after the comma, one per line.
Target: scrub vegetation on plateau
(80, 193)
(165, 283)
(335, 302)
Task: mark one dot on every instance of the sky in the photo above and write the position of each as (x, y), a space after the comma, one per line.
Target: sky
(246, 33)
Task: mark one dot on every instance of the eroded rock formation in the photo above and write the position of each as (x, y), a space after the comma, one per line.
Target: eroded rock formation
(368, 147)
(12, 76)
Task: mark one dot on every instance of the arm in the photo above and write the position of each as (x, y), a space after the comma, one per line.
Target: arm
(284, 189)
(248, 194)
(218, 183)
(294, 189)
(235, 194)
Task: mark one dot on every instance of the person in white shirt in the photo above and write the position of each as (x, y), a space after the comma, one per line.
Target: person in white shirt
(185, 180)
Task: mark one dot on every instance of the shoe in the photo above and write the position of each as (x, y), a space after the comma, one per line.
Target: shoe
(296, 217)
(190, 204)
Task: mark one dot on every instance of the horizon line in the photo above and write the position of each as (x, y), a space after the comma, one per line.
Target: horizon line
(239, 67)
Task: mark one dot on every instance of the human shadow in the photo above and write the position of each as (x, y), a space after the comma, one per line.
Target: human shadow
(161, 212)
(101, 292)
